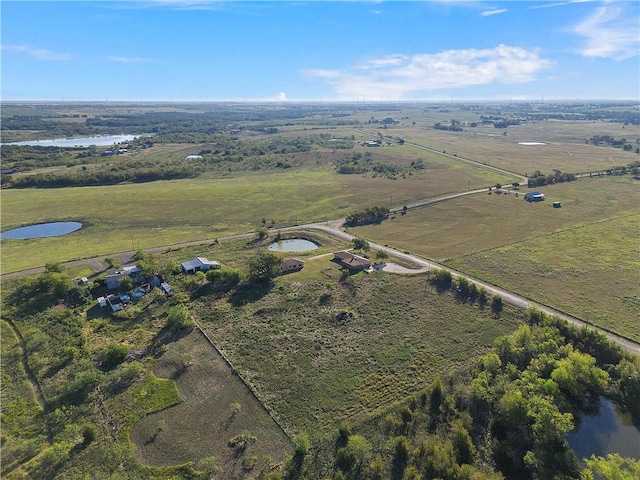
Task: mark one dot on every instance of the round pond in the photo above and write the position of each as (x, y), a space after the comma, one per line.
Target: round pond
(41, 230)
(292, 245)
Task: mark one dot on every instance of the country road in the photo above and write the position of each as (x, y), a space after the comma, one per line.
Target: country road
(422, 265)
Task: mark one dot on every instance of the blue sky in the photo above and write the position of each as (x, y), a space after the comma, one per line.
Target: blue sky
(192, 50)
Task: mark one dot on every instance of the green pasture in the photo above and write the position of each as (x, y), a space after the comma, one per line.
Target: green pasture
(564, 257)
(314, 370)
(131, 216)
(216, 406)
(591, 272)
(566, 148)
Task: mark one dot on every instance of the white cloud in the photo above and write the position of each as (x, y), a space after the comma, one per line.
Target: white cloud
(281, 97)
(488, 13)
(560, 4)
(610, 31)
(115, 58)
(397, 77)
(39, 53)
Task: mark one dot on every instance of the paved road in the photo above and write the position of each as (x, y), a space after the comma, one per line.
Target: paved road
(423, 266)
(335, 228)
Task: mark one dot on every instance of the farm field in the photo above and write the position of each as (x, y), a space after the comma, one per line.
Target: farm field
(536, 250)
(216, 407)
(590, 272)
(565, 148)
(131, 216)
(314, 371)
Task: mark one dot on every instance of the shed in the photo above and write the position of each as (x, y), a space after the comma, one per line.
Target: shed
(292, 265)
(198, 264)
(168, 291)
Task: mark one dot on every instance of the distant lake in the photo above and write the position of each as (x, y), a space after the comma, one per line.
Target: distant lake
(102, 141)
(41, 230)
(605, 433)
(292, 245)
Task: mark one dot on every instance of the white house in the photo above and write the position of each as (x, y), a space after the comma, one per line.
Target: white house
(198, 264)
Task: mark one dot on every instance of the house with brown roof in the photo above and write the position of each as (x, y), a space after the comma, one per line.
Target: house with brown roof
(292, 265)
(351, 261)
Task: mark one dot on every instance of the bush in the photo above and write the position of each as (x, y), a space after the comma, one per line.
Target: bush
(301, 444)
(179, 319)
(89, 432)
(113, 354)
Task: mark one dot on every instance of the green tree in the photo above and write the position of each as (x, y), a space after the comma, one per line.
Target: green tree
(89, 432)
(301, 444)
(382, 255)
(354, 454)
(113, 354)
(361, 244)
(613, 467)
(225, 276)
(265, 267)
(497, 305)
(126, 284)
(113, 262)
(179, 318)
(262, 233)
(578, 373)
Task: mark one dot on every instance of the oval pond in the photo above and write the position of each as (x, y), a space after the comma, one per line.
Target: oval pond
(605, 433)
(41, 230)
(292, 245)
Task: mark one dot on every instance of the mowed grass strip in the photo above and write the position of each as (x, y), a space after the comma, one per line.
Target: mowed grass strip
(314, 370)
(132, 216)
(216, 406)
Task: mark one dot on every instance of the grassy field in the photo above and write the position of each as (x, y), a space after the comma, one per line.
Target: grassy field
(314, 370)
(569, 258)
(128, 217)
(216, 407)
(24, 431)
(591, 272)
(564, 151)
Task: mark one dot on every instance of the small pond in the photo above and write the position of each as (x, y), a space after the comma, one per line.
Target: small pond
(292, 245)
(42, 230)
(102, 141)
(607, 432)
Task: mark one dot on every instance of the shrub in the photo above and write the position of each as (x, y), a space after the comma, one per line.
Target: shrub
(113, 354)
(89, 432)
(179, 319)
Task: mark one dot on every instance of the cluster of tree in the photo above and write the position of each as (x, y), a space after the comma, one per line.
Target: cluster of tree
(366, 217)
(100, 177)
(359, 163)
(453, 126)
(465, 290)
(538, 179)
(505, 418)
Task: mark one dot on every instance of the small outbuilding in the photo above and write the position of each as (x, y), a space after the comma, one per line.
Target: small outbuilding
(534, 197)
(292, 265)
(198, 264)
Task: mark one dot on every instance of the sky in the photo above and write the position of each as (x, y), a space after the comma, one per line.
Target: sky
(288, 51)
